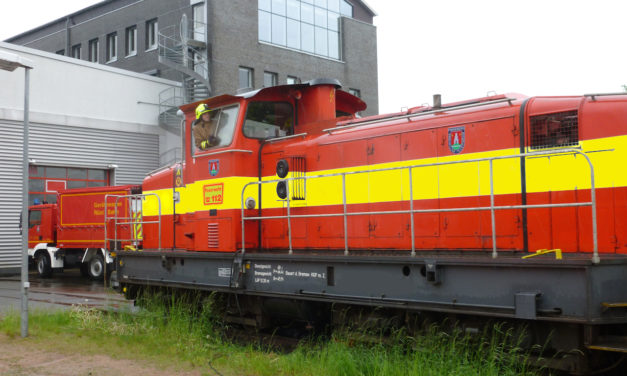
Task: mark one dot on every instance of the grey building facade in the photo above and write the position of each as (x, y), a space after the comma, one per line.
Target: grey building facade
(217, 47)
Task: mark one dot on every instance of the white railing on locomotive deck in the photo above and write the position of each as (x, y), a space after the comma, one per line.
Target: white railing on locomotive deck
(492, 208)
(135, 218)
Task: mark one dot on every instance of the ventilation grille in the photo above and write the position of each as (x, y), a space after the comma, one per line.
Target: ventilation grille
(554, 130)
(213, 235)
(298, 169)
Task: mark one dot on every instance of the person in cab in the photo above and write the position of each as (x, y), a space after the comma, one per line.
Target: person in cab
(205, 128)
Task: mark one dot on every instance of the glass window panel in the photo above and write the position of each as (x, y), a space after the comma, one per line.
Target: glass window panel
(269, 79)
(346, 9)
(321, 3)
(226, 125)
(55, 172)
(278, 30)
(334, 21)
(293, 9)
(245, 78)
(307, 37)
(291, 80)
(265, 26)
(321, 17)
(308, 1)
(334, 5)
(293, 34)
(77, 173)
(265, 5)
(36, 185)
(278, 7)
(97, 175)
(321, 42)
(95, 184)
(35, 171)
(51, 198)
(307, 13)
(76, 184)
(334, 45)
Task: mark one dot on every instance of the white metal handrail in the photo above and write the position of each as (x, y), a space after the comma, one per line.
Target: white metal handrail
(134, 201)
(492, 208)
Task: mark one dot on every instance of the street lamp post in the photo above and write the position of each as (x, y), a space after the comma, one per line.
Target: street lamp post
(10, 62)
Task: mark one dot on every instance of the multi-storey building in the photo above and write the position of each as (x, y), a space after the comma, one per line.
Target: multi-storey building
(217, 46)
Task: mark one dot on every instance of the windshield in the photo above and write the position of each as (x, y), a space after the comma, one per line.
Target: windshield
(269, 120)
(216, 132)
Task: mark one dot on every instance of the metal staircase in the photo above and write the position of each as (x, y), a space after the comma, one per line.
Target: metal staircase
(183, 49)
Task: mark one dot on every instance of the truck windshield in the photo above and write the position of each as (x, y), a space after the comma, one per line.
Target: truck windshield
(219, 131)
(269, 120)
(34, 218)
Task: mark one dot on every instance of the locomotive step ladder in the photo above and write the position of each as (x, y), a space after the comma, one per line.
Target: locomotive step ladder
(609, 343)
(133, 217)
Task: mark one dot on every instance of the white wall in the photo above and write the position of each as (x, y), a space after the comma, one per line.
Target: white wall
(68, 91)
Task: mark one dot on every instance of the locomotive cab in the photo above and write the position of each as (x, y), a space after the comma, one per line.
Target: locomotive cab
(201, 198)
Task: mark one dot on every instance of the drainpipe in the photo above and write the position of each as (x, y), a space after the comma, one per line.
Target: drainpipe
(68, 41)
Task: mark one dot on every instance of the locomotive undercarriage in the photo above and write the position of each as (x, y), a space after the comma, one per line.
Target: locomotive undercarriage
(570, 306)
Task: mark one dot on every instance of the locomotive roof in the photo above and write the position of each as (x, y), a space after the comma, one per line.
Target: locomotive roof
(344, 99)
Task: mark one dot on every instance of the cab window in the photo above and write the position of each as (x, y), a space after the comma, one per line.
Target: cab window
(269, 120)
(219, 133)
(34, 218)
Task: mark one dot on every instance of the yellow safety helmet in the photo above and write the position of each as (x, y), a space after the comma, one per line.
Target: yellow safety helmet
(202, 108)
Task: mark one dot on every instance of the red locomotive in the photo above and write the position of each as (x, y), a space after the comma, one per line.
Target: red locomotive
(295, 199)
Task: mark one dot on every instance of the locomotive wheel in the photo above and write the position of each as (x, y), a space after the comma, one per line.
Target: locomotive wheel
(43, 265)
(95, 267)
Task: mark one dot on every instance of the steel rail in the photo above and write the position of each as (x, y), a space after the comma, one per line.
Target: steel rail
(492, 208)
(409, 116)
(134, 221)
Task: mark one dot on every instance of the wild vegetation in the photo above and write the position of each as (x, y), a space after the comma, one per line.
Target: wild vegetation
(189, 333)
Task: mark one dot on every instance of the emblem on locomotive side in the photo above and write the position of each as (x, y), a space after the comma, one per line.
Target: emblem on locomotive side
(456, 139)
(214, 167)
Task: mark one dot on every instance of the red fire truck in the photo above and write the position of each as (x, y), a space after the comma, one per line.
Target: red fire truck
(72, 232)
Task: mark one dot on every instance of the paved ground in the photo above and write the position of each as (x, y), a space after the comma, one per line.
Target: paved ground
(59, 292)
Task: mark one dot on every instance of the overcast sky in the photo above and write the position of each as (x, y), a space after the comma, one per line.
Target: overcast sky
(461, 48)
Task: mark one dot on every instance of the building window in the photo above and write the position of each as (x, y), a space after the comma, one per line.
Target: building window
(131, 41)
(306, 25)
(198, 22)
(245, 78)
(44, 182)
(346, 9)
(93, 50)
(355, 92)
(112, 47)
(554, 130)
(76, 51)
(60, 52)
(270, 79)
(291, 80)
(151, 34)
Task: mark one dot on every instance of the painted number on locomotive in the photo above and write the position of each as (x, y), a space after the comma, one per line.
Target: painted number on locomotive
(213, 194)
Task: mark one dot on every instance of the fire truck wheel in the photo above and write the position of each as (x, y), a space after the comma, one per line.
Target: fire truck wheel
(95, 268)
(43, 265)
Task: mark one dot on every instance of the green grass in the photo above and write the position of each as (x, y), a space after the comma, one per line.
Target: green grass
(189, 335)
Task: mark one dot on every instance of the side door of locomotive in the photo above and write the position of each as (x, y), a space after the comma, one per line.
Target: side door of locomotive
(211, 203)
